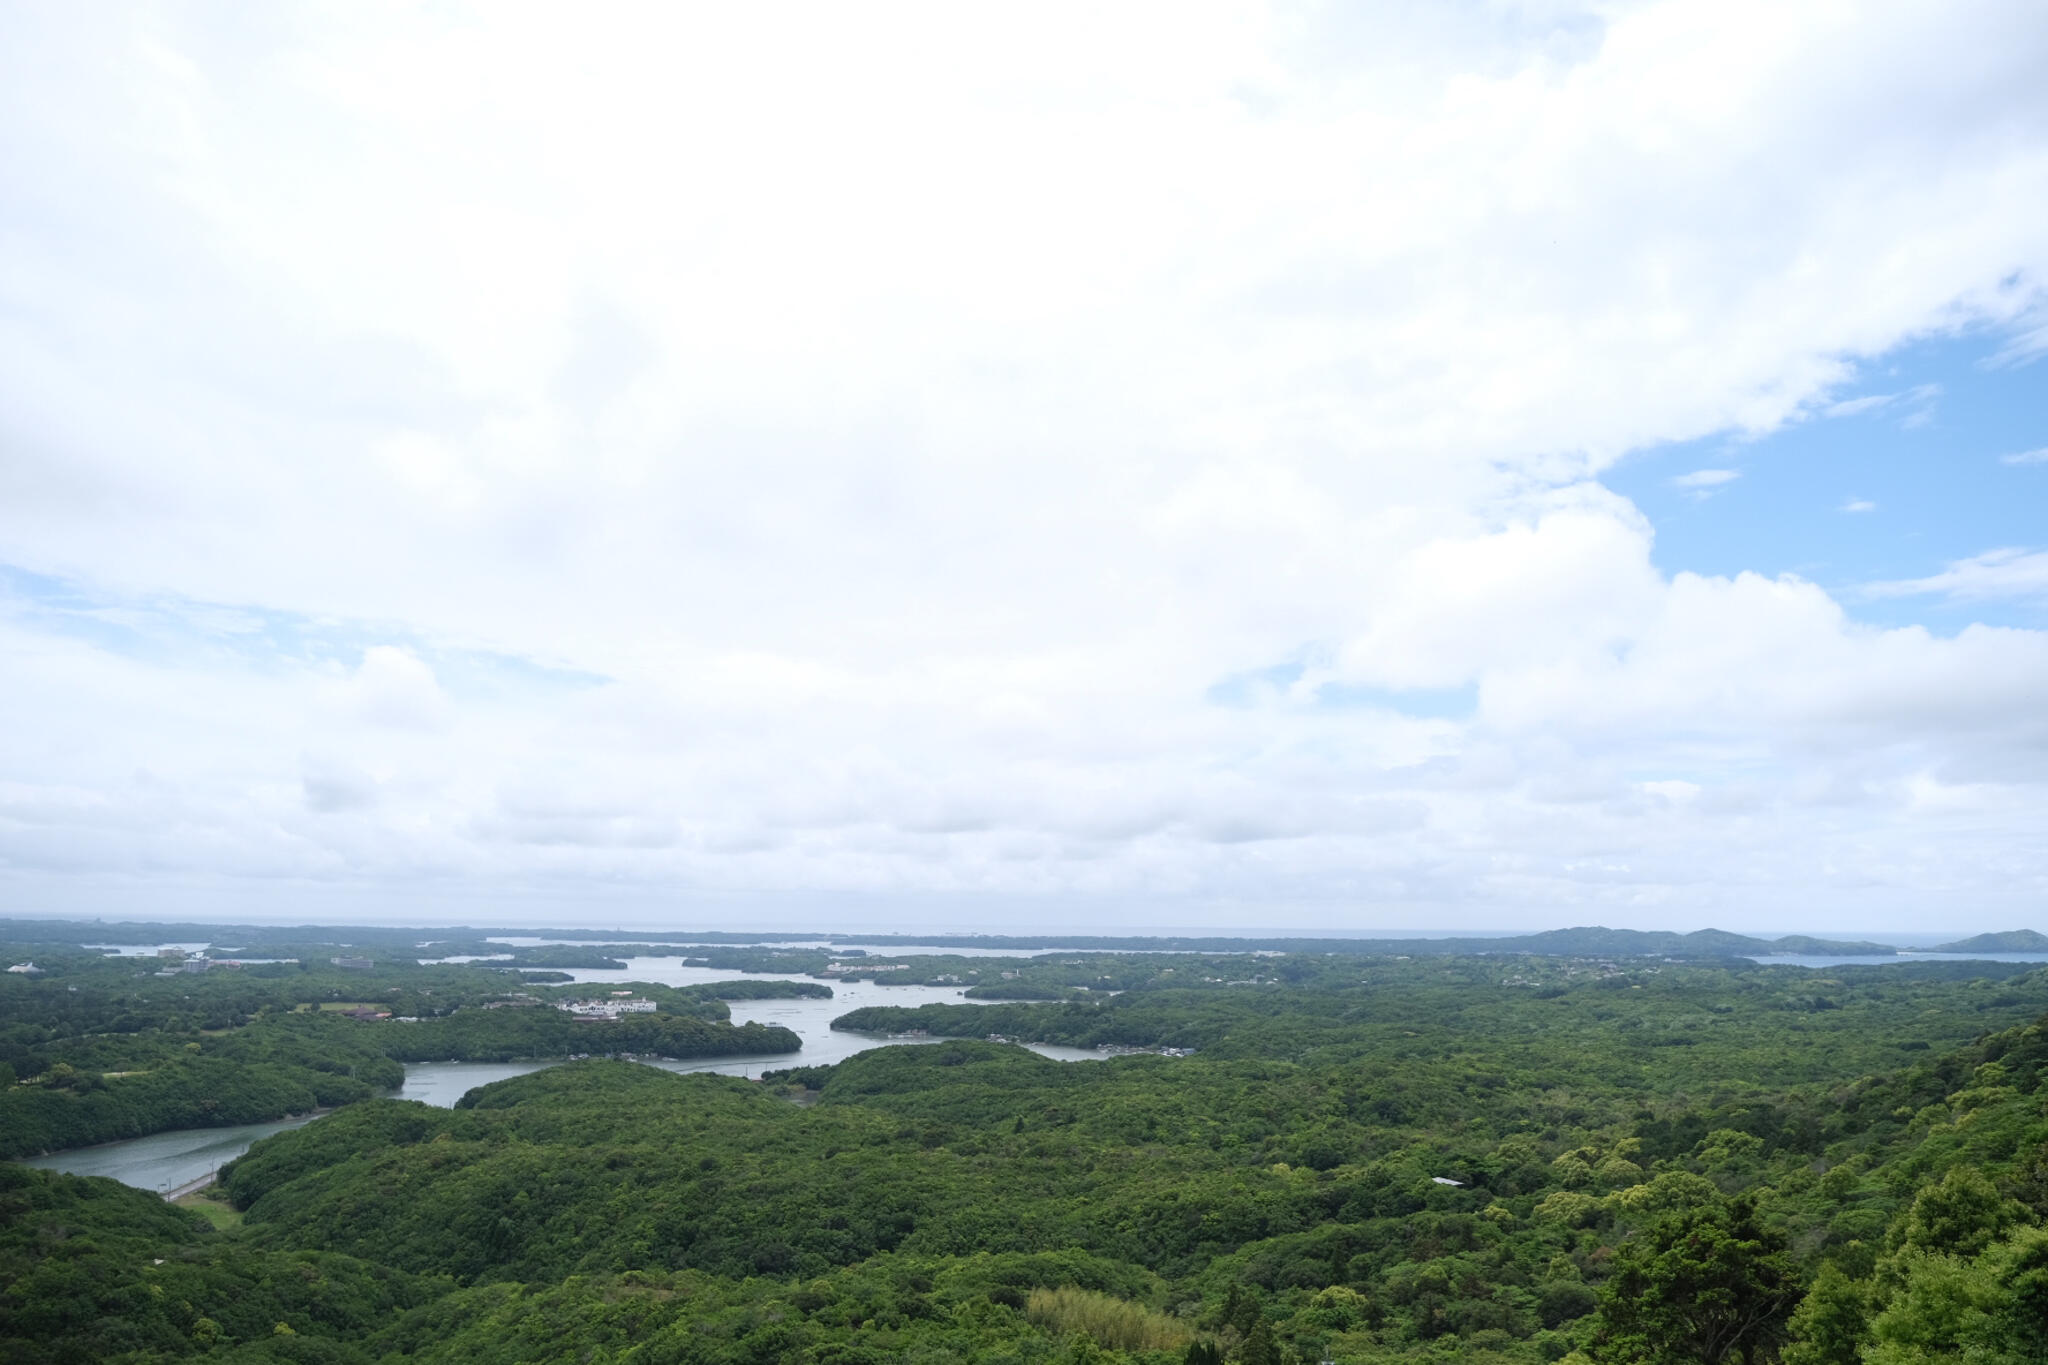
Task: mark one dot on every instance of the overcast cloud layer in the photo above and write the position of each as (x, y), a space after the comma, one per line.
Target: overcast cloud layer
(1111, 463)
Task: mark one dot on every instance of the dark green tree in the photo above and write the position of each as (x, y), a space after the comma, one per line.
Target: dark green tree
(1259, 1347)
(1706, 1284)
(1832, 1322)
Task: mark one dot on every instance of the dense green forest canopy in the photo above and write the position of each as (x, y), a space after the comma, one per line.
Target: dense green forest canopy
(96, 1048)
(1482, 1158)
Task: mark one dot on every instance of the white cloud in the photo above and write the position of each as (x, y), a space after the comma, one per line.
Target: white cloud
(2003, 573)
(332, 786)
(393, 687)
(1569, 585)
(1918, 403)
(1856, 505)
(1704, 483)
(2026, 457)
(909, 413)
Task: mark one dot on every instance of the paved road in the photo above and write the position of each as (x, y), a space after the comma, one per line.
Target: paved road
(189, 1187)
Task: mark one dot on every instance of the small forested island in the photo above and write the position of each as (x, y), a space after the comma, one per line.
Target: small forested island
(1499, 1155)
(2010, 941)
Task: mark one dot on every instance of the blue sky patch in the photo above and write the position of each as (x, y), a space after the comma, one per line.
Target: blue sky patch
(176, 631)
(1934, 455)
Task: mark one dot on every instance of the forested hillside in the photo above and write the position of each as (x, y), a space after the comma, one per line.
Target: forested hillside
(95, 1049)
(1467, 1159)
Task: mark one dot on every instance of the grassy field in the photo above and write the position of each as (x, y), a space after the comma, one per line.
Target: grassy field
(212, 1204)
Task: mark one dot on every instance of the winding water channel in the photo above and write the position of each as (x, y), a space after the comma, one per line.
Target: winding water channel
(165, 1161)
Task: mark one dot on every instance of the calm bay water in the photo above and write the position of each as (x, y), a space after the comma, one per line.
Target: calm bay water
(1818, 960)
(875, 951)
(164, 1161)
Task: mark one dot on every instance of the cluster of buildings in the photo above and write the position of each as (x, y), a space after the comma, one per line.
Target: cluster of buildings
(619, 1003)
(180, 965)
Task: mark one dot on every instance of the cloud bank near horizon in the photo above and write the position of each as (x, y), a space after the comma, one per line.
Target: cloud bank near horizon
(649, 457)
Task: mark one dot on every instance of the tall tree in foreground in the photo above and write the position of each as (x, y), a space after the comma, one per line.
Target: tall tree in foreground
(1702, 1284)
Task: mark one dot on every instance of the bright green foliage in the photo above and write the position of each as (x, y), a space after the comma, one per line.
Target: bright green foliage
(1965, 1277)
(1707, 1283)
(1959, 1215)
(1109, 1321)
(1832, 1323)
(1690, 1151)
(1989, 1309)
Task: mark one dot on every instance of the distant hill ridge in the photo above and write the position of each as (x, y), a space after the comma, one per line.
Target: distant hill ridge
(1701, 942)
(2011, 941)
(1583, 941)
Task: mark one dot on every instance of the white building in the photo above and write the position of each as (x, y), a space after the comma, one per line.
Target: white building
(605, 1009)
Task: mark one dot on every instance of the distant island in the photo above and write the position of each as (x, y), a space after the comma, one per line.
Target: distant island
(1585, 941)
(2011, 941)
(607, 948)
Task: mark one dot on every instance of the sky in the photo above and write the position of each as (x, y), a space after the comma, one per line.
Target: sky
(1488, 465)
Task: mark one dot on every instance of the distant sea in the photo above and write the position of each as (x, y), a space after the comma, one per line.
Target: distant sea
(1822, 960)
